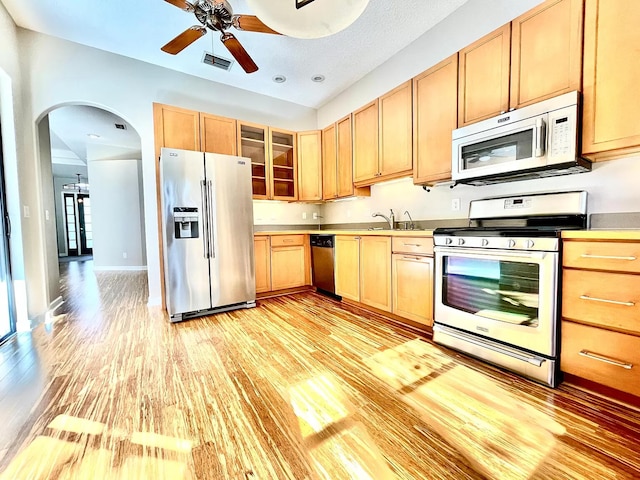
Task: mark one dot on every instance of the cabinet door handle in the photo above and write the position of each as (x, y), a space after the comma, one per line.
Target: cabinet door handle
(607, 257)
(602, 358)
(604, 300)
(357, 238)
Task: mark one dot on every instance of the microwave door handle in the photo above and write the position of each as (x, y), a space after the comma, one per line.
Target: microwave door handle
(540, 137)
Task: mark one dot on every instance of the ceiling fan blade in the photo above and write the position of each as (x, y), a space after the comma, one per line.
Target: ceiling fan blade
(183, 40)
(238, 52)
(181, 4)
(251, 23)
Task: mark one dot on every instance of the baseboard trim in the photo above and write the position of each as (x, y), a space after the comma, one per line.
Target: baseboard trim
(392, 319)
(57, 303)
(286, 291)
(141, 268)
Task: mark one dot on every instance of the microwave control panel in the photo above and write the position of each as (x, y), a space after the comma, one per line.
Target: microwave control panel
(562, 133)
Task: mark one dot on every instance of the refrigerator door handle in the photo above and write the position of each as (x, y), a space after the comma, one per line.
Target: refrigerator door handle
(205, 220)
(210, 219)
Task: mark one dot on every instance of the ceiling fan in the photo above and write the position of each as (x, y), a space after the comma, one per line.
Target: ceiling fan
(217, 15)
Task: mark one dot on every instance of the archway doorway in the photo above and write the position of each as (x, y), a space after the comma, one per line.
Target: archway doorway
(94, 178)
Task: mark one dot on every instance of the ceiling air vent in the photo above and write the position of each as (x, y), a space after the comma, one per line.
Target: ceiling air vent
(121, 126)
(216, 61)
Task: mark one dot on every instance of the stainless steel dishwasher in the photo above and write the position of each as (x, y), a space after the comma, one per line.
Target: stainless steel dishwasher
(322, 258)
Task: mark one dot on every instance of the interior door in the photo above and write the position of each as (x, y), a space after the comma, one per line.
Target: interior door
(7, 306)
(84, 223)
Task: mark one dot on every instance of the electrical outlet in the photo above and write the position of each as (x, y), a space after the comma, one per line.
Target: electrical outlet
(304, 215)
(25, 211)
(46, 215)
(315, 216)
(455, 204)
(124, 255)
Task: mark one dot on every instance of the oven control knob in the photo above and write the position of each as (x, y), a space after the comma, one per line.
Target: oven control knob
(485, 242)
(448, 241)
(461, 241)
(530, 243)
(512, 243)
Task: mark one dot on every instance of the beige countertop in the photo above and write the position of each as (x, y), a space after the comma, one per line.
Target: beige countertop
(601, 234)
(384, 233)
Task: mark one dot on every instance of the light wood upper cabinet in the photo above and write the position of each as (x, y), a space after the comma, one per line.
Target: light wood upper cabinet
(329, 163)
(546, 52)
(347, 267)
(483, 88)
(375, 272)
(284, 167)
(218, 134)
(611, 72)
(365, 143)
(176, 128)
(435, 116)
(262, 253)
(310, 165)
(252, 143)
(396, 131)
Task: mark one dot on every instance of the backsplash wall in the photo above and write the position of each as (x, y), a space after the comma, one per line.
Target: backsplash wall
(612, 186)
(269, 212)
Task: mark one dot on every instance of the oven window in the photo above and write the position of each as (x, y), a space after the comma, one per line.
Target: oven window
(508, 148)
(496, 289)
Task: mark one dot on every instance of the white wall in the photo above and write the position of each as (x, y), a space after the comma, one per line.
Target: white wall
(269, 212)
(57, 72)
(116, 214)
(612, 187)
(11, 115)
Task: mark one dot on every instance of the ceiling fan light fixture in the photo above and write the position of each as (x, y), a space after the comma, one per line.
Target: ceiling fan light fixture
(304, 19)
(279, 78)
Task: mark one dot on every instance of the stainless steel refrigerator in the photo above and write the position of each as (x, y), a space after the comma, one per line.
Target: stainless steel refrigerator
(207, 220)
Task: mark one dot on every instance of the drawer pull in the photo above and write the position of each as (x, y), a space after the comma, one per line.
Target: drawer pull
(604, 300)
(607, 257)
(413, 258)
(287, 240)
(602, 358)
(412, 244)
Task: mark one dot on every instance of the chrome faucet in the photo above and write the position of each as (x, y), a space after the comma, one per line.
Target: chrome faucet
(411, 225)
(390, 219)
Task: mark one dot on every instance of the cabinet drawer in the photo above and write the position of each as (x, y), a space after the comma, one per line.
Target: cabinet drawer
(419, 245)
(609, 358)
(611, 300)
(615, 256)
(286, 240)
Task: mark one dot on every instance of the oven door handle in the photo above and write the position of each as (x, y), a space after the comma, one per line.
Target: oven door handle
(537, 361)
(496, 254)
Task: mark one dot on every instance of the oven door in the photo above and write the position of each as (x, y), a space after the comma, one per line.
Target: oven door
(508, 296)
(517, 146)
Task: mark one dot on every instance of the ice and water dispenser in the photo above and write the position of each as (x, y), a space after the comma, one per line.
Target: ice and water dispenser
(185, 221)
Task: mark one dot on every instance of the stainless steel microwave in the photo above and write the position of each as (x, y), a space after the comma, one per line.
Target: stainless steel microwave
(535, 141)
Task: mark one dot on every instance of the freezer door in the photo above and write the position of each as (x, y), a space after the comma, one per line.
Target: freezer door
(186, 266)
(231, 218)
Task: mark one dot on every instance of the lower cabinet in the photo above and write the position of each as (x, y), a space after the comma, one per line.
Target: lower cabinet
(262, 254)
(413, 288)
(281, 262)
(600, 311)
(375, 272)
(347, 267)
(363, 269)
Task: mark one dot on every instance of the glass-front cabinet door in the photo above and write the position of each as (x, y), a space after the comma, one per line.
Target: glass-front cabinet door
(252, 143)
(283, 165)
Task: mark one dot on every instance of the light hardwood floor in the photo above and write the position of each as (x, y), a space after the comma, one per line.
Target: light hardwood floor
(300, 387)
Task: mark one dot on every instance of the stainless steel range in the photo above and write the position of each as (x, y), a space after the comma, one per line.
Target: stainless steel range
(497, 281)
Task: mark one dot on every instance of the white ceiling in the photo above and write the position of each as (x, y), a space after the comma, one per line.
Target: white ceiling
(138, 28)
(71, 145)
